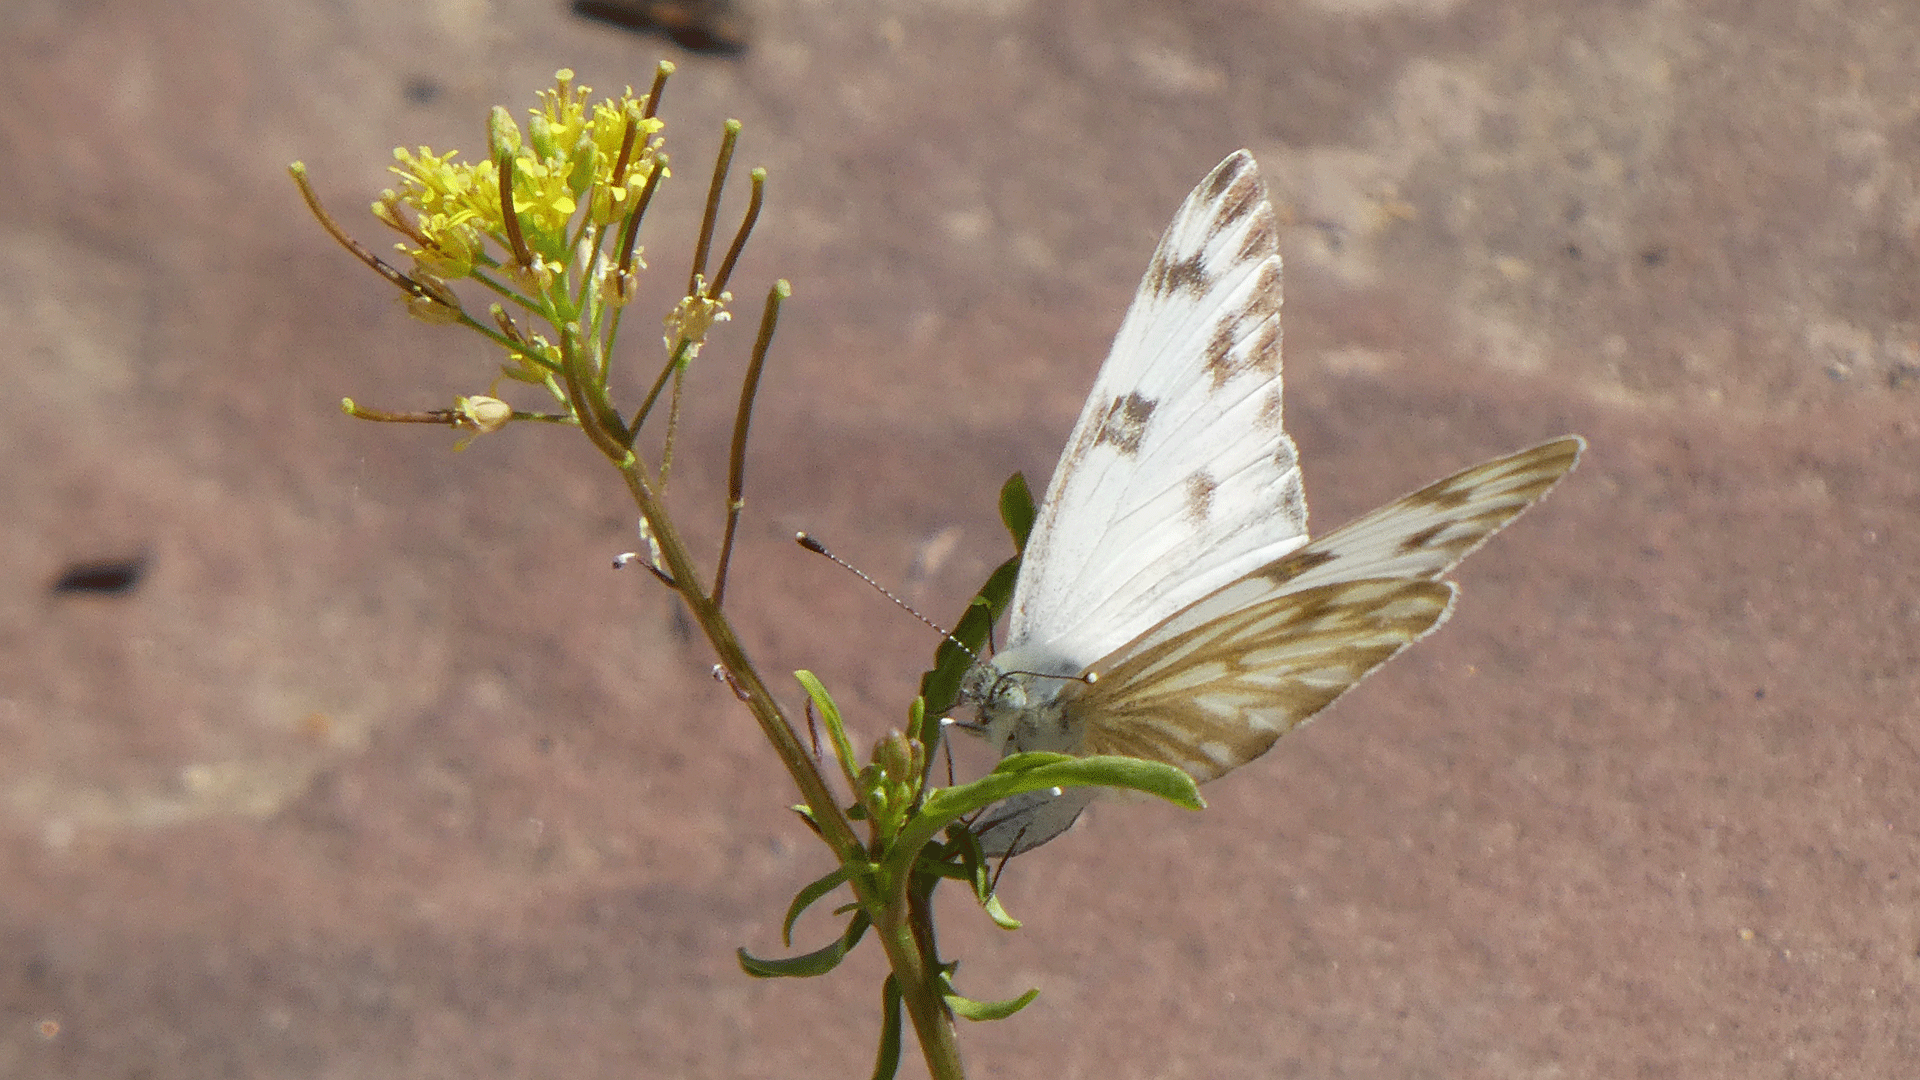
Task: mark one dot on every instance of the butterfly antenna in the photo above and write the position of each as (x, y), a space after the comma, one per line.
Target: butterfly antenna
(1087, 677)
(806, 540)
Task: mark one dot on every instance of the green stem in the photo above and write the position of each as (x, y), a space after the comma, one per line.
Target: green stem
(760, 701)
(588, 397)
(932, 1023)
(674, 362)
(755, 201)
(903, 928)
(737, 457)
(892, 914)
(729, 135)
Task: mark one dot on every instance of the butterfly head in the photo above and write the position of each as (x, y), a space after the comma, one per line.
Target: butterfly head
(1021, 700)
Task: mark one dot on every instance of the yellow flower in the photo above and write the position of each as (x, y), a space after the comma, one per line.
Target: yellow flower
(563, 161)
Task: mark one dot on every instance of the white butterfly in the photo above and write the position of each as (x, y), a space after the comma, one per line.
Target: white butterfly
(1169, 605)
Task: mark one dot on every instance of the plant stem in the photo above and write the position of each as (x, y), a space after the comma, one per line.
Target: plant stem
(737, 458)
(833, 823)
(932, 1023)
(885, 897)
(892, 917)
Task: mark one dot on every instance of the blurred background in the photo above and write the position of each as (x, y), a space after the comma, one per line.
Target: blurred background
(327, 752)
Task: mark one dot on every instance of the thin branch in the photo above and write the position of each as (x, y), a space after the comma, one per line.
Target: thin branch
(827, 814)
(737, 460)
(659, 84)
(589, 399)
(673, 422)
(730, 134)
(444, 417)
(759, 180)
(503, 164)
(618, 175)
(416, 289)
(623, 266)
(674, 363)
(932, 1022)
(630, 234)
(627, 558)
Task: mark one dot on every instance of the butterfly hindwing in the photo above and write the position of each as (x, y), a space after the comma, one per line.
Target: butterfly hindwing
(1217, 696)
(1026, 821)
(1212, 687)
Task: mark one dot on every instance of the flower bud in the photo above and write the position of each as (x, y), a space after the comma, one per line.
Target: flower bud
(484, 414)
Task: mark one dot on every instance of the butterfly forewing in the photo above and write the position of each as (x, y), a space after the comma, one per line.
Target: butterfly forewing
(1178, 477)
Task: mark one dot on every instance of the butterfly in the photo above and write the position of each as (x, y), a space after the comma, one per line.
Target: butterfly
(1169, 604)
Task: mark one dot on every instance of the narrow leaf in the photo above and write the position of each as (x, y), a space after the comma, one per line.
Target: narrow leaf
(817, 962)
(886, 1063)
(969, 1009)
(836, 729)
(973, 867)
(999, 914)
(1038, 771)
(806, 897)
(941, 686)
(1016, 509)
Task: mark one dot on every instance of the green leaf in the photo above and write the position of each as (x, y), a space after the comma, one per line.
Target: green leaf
(805, 898)
(974, 868)
(1016, 509)
(1038, 771)
(935, 866)
(886, 1063)
(968, 1009)
(941, 685)
(817, 962)
(836, 730)
(999, 914)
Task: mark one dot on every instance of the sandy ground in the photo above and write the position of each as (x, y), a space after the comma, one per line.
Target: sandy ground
(381, 773)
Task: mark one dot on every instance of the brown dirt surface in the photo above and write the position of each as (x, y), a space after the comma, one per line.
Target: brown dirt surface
(379, 772)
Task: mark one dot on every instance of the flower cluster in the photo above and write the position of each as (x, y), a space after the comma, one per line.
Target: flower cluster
(572, 155)
(549, 222)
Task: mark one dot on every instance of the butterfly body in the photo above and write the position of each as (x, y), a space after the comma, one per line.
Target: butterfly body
(1024, 707)
(1170, 605)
